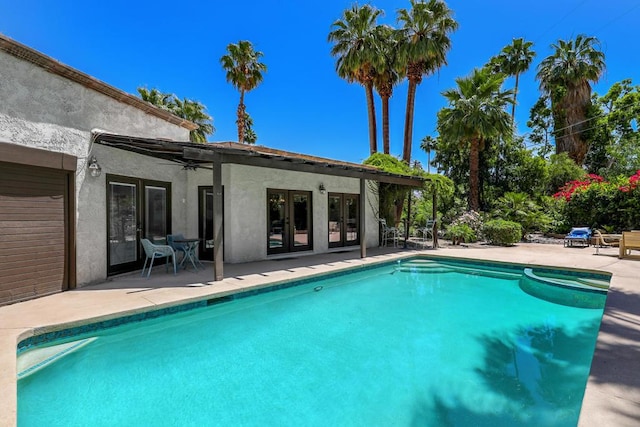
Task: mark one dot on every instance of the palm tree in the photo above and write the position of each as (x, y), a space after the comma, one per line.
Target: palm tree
(513, 60)
(428, 143)
(387, 73)
(475, 114)
(426, 28)
(354, 46)
(565, 77)
(193, 111)
(187, 109)
(244, 72)
(155, 97)
(250, 136)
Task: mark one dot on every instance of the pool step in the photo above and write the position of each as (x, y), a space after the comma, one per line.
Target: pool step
(428, 266)
(575, 281)
(413, 269)
(603, 284)
(489, 273)
(420, 265)
(423, 266)
(33, 360)
(421, 262)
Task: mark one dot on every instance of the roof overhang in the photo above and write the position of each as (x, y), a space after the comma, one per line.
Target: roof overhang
(233, 153)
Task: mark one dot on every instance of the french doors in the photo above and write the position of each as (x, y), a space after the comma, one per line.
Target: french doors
(136, 209)
(344, 224)
(288, 221)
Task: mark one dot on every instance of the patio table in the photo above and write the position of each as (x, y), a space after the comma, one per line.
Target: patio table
(190, 246)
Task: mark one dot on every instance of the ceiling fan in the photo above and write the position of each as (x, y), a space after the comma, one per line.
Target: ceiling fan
(188, 165)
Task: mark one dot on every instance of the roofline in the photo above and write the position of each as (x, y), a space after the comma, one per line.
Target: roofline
(234, 153)
(53, 66)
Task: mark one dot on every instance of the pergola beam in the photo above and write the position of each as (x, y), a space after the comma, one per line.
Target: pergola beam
(363, 217)
(202, 155)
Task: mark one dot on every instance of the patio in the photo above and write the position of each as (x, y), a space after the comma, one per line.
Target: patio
(613, 391)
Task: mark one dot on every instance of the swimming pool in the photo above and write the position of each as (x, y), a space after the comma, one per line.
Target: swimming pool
(421, 342)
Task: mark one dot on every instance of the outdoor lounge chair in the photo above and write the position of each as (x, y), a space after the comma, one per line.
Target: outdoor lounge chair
(578, 235)
(157, 251)
(630, 240)
(600, 241)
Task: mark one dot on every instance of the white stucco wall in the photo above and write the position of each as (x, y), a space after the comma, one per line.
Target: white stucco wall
(199, 178)
(245, 193)
(47, 111)
(92, 220)
(42, 110)
(246, 208)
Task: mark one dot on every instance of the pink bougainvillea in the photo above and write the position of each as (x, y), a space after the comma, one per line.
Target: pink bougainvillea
(567, 190)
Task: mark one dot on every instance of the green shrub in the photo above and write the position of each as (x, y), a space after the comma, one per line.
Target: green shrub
(459, 233)
(561, 170)
(503, 233)
(519, 208)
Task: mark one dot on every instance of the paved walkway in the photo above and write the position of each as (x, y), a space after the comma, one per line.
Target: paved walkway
(612, 396)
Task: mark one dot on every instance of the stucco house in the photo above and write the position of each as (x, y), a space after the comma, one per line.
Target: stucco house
(87, 171)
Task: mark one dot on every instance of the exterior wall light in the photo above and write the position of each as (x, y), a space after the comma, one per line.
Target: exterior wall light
(94, 167)
(322, 189)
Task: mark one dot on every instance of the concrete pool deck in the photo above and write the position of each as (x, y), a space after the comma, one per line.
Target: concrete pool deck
(612, 397)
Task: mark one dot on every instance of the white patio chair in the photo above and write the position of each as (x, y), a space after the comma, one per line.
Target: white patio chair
(428, 230)
(157, 251)
(388, 233)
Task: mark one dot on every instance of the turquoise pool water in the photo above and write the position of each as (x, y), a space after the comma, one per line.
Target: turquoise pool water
(391, 346)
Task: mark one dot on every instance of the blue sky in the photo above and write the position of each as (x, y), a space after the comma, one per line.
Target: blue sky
(302, 105)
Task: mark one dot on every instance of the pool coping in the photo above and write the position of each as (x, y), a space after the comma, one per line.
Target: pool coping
(57, 332)
(178, 306)
(60, 331)
(12, 334)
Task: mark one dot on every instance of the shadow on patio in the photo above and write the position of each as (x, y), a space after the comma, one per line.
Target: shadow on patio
(292, 263)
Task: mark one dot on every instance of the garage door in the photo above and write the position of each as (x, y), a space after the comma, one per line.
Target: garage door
(33, 231)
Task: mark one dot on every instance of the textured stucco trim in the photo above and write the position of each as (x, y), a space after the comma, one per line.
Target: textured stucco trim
(53, 66)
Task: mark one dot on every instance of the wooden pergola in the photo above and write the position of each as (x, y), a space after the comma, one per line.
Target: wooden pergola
(214, 155)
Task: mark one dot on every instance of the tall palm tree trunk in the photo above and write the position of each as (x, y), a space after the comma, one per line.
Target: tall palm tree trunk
(578, 103)
(513, 107)
(385, 124)
(240, 120)
(569, 115)
(559, 123)
(474, 168)
(371, 109)
(408, 121)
